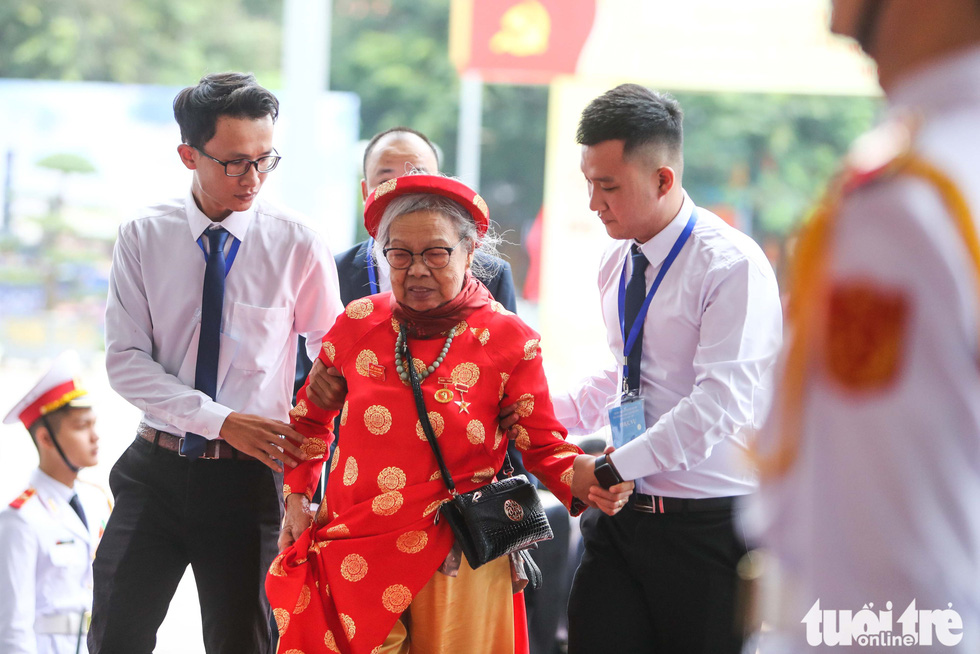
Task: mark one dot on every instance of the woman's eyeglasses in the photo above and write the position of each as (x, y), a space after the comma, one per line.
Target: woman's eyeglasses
(434, 257)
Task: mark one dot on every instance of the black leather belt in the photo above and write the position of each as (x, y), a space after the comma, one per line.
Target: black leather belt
(215, 449)
(657, 504)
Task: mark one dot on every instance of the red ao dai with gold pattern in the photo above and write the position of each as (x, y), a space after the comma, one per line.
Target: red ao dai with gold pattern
(375, 543)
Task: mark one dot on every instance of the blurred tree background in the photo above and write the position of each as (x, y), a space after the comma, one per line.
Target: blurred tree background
(764, 156)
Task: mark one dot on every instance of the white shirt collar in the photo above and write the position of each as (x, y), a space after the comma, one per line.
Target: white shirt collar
(47, 485)
(236, 223)
(658, 247)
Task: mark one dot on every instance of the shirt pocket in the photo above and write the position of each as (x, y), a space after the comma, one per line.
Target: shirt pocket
(64, 552)
(262, 334)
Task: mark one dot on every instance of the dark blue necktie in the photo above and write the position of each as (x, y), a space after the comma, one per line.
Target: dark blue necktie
(636, 291)
(76, 504)
(206, 373)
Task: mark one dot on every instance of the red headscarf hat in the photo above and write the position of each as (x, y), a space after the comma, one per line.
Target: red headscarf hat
(447, 187)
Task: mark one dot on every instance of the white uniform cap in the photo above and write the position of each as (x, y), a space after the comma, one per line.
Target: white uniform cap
(59, 387)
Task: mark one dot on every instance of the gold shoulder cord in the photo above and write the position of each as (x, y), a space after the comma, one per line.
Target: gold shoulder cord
(809, 291)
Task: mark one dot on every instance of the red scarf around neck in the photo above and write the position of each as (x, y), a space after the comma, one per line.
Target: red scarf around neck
(432, 323)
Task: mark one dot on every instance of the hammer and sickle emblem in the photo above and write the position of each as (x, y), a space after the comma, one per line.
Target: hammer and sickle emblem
(524, 30)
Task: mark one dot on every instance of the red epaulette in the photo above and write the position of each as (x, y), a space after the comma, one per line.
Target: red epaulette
(26, 495)
(874, 155)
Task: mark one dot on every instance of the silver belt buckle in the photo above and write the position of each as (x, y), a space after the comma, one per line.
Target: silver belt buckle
(647, 508)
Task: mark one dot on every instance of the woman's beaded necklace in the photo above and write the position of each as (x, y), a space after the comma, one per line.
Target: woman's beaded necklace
(400, 348)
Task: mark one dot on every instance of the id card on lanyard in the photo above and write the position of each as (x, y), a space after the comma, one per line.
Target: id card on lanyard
(626, 417)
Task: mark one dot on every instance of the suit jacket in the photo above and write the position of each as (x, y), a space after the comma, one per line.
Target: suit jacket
(352, 273)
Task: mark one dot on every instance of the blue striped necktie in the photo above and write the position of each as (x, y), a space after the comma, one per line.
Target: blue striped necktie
(636, 292)
(206, 373)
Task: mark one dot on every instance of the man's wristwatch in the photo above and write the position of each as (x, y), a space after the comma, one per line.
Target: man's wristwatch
(606, 473)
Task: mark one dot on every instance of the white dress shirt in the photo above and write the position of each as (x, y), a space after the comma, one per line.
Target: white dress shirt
(46, 566)
(283, 282)
(710, 338)
(883, 501)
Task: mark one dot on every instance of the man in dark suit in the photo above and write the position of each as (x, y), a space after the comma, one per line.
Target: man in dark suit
(389, 154)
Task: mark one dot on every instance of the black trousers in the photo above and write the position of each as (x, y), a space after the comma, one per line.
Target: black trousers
(221, 517)
(656, 584)
(546, 604)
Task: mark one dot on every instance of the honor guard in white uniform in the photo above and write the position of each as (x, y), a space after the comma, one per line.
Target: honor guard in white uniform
(871, 460)
(49, 533)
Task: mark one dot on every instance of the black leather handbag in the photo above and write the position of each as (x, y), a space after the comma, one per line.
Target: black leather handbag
(498, 519)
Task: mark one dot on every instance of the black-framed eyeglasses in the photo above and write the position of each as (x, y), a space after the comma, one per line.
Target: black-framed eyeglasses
(434, 257)
(238, 167)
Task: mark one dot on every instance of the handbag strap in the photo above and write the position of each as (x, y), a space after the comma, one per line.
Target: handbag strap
(424, 414)
(430, 436)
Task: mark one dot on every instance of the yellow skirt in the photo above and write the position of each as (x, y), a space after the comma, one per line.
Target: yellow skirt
(472, 612)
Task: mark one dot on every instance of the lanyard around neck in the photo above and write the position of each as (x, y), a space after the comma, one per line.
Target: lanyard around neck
(630, 342)
(371, 269)
(232, 253)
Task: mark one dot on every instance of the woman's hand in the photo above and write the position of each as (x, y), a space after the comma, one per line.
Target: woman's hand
(299, 516)
(327, 388)
(508, 418)
(587, 488)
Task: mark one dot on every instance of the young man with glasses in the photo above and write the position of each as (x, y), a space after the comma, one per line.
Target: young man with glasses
(207, 296)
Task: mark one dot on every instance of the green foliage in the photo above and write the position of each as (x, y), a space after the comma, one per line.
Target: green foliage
(172, 42)
(766, 155)
(769, 155)
(395, 56)
(67, 162)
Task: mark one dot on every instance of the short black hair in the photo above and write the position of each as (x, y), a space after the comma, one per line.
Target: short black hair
(52, 419)
(400, 130)
(637, 116)
(197, 108)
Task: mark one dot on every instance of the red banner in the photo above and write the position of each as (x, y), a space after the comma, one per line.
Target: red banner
(519, 41)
